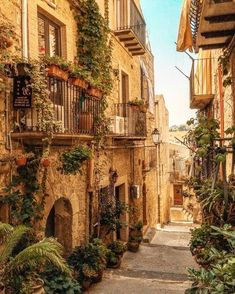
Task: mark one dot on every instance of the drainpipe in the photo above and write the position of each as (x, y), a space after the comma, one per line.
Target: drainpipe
(221, 101)
(25, 53)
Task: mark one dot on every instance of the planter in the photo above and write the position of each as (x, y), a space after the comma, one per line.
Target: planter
(86, 121)
(78, 82)
(6, 42)
(143, 108)
(117, 264)
(86, 283)
(99, 277)
(21, 161)
(38, 288)
(95, 92)
(134, 107)
(55, 71)
(45, 162)
(2, 288)
(133, 246)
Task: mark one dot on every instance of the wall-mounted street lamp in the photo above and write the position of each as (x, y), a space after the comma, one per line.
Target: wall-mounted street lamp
(156, 136)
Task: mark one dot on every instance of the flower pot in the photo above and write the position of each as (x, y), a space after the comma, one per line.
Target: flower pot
(99, 277)
(45, 161)
(21, 161)
(85, 121)
(6, 42)
(133, 246)
(38, 287)
(95, 92)
(55, 71)
(78, 82)
(86, 283)
(117, 264)
(134, 107)
(2, 288)
(143, 108)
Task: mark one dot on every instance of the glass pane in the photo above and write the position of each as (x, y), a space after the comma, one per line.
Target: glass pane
(41, 36)
(53, 40)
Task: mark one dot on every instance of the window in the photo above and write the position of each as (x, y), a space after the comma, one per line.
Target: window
(48, 37)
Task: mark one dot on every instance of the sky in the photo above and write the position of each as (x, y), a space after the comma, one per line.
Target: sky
(162, 19)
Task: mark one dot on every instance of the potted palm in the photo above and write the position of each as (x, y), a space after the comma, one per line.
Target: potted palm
(29, 259)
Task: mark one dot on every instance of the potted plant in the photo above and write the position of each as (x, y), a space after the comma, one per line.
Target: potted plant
(21, 157)
(78, 77)
(88, 261)
(136, 103)
(114, 256)
(135, 236)
(57, 66)
(26, 262)
(94, 88)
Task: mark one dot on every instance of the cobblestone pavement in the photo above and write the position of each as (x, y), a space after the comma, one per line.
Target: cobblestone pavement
(158, 268)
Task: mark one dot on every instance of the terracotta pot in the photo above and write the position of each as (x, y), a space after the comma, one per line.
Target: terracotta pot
(134, 107)
(86, 283)
(79, 82)
(99, 277)
(21, 161)
(143, 108)
(133, 246)
(86, 121)
(55, 71)
(6, 42)
(38, 288)
(95, 92)
(45, 161)
(2, 288)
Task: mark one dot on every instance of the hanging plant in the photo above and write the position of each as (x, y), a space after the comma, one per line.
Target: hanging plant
(71, 161)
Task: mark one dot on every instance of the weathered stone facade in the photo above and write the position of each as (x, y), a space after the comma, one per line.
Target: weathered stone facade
(70, 213)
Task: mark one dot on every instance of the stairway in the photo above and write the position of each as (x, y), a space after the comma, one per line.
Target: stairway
(180, 214)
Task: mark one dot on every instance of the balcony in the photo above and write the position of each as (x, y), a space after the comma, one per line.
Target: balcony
(201, 93)
(217, 23)
(128, 122)
(131, 27)
(75, 112)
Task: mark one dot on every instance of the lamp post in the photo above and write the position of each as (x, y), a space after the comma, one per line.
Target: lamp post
(156, 136)
(156, 141)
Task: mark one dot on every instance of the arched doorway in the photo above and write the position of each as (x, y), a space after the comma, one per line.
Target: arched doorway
(59, 223)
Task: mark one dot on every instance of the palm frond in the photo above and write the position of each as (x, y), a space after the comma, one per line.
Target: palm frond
(5, 230)
(11, 241)
(47, 250)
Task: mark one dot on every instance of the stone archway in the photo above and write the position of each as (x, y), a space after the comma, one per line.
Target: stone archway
(59, 223)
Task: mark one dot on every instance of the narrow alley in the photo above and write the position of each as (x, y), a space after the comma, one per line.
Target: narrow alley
(159, 267)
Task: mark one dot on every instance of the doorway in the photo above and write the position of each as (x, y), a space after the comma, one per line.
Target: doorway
(59, 224)
(178, 197)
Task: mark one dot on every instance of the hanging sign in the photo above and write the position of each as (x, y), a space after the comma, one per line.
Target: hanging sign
(22, 92)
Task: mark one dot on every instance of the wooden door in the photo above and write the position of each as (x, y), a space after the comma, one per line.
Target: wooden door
(178, 197)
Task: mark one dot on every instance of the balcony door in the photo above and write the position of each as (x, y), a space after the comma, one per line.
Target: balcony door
(124, 97)
(122, 14)
(178, 197)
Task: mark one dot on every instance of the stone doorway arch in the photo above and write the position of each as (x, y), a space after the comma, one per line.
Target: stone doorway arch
(59, 223)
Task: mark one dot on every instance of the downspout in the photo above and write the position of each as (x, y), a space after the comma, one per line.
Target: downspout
(25, 53)
(221, 101)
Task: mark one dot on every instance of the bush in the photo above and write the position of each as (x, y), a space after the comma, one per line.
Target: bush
(56, 282)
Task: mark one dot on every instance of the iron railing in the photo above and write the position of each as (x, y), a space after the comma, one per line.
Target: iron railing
(75, 112)
(133, 21)
(133, 119)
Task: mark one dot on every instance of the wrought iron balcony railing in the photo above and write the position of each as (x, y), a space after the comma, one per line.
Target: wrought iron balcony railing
(73, 110)
(128, 121)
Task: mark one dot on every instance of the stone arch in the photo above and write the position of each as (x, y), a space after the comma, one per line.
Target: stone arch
(59, 223)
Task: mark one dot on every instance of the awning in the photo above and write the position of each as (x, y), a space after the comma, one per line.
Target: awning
(185, 38)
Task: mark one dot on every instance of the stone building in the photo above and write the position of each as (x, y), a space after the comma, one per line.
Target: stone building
(127, 163)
